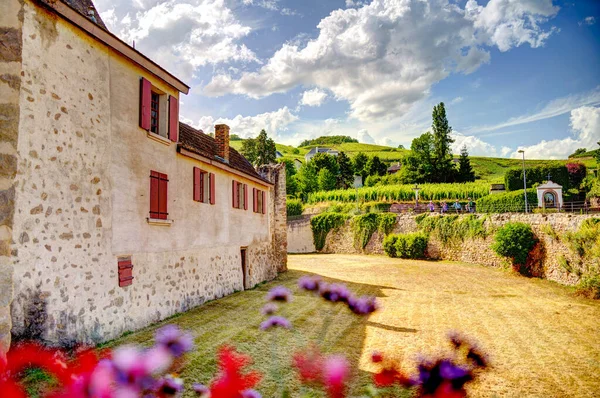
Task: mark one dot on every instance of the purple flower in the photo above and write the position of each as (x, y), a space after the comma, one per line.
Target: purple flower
(251, 394)
(450, 371)
(201, 390)
(364, 305)
(276, 321)
(310, 283)
(169, 386)
(175, 340)
(334, 292)
(157, 359)
(269, 309)
(129, 365)
(279, 293)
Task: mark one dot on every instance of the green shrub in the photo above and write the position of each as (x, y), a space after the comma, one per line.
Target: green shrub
(294, 207)
(507, 202)
(322, 224)
(514, 240)
(411, 246)
(549, 230)
(585, 242)
(589, 286)
(389, 245)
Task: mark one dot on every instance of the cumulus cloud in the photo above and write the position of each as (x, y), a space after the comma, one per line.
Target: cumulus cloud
(585, 123)
(313, 97)
(364, 137)
(385, 56)
(182, 35)
(475, 146)
(274, 123)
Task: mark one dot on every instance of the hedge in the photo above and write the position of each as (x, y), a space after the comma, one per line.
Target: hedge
(513, 178)
(507, 202)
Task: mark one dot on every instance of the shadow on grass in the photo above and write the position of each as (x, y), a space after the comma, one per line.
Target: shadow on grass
(235, 319)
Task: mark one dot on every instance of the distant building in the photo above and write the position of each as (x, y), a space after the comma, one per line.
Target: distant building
(297, 164)
(550, 195)
(278, 155)
(393, 169)
(316, 150)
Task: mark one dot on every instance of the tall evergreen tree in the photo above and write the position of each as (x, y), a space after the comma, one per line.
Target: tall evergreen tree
(346, 172)
(465, 170)
(444, 169)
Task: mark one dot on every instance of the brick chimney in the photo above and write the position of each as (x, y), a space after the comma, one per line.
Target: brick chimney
(222, 138)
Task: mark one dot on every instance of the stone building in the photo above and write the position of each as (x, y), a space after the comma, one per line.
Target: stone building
(113, 214)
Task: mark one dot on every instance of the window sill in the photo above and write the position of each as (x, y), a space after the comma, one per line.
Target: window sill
(159, 222)
(158, 138)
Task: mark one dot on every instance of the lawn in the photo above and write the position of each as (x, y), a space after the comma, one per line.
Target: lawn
(542, 341)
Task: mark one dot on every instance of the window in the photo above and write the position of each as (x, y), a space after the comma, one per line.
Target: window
(158, 195)
(259, 201)
(204, 186)
(239, 195)
(159, 112)
(154, 112)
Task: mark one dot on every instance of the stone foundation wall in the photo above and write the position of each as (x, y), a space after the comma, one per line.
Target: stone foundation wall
(475, 251)
(11, 32)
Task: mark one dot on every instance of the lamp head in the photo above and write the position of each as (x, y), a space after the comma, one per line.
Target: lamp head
(521, 151)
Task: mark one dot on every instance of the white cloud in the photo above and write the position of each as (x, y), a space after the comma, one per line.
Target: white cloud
(313, 97)
(456, 100)
(475, 146)
(182, 35)
(385, 56)
(554, 108)
(271, 5)
(588, 21)
(585, 123)
(274, 123)
(364, 137)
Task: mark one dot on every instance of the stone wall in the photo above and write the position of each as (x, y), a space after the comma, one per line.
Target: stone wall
(11, 23)
(277, 213)
(475, 251)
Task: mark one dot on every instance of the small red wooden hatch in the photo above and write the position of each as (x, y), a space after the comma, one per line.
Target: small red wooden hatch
(125, 271)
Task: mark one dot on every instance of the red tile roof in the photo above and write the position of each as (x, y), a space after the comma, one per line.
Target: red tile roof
(204, 145)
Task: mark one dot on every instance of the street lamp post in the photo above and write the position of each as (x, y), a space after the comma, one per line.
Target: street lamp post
(524, 179)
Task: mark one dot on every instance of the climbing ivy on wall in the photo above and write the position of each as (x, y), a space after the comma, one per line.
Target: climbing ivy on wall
(452, 227)
(365, 225)
(323, 223)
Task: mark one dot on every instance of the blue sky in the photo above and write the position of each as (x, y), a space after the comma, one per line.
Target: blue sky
(513, 73)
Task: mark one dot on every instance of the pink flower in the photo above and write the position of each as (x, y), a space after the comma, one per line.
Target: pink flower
(174, 339)
(335, 374)
(269, 309)
(275, 321)
(279, 293)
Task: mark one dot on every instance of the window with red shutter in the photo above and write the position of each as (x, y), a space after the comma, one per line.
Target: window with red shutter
(158, 195)
(245, 197)
(197, 185)
(154, 112)
(254, 200)
(264, 202)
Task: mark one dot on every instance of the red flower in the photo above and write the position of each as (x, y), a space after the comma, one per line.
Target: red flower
(376, 357)
(309, 365)
(231, 382)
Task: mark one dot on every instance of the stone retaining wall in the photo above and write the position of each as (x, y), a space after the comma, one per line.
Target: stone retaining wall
(476, 251)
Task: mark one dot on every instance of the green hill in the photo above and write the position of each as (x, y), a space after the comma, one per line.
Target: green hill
(486, 168)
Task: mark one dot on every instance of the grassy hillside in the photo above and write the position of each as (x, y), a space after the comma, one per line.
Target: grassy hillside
(488, 169)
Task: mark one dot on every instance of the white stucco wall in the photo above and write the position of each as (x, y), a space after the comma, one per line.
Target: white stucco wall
(83, 198)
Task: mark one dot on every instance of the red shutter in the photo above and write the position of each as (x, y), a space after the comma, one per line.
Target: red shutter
(234, 195)
(154, 177)
(245, 197)
(125, 271)
(211, 178)
(197, 185)
(254, 200)
(264, 202)
(162, 196)
(145, 98)
(173, 118)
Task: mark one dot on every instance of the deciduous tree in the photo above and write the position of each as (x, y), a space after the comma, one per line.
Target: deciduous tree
(260, 150)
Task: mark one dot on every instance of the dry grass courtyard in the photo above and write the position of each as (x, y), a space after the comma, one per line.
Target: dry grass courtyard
(542, 341)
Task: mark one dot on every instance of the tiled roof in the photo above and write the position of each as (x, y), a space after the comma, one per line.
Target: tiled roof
(84, 7)
(204, 145)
